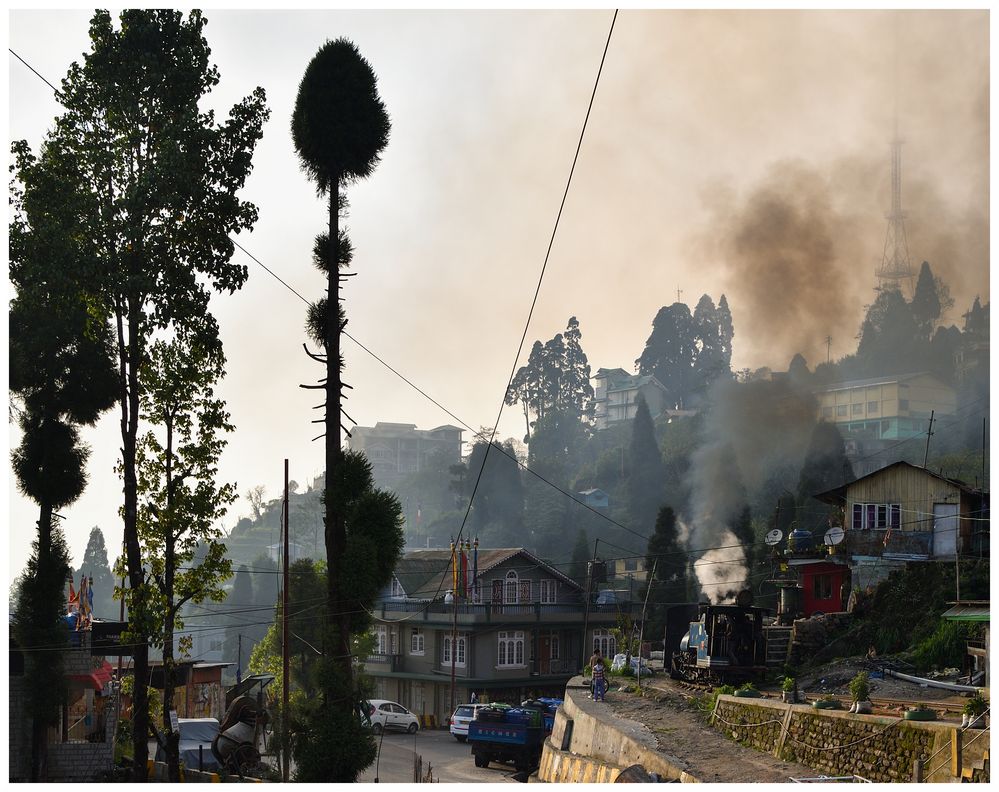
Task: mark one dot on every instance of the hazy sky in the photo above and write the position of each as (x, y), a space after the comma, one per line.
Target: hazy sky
(743, 153)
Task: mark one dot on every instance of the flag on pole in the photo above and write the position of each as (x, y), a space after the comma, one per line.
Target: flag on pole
(74, 599)
(464, 569)
(475, 564)
(454, 571)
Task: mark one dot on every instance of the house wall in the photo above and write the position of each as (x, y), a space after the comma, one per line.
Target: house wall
(916, 492)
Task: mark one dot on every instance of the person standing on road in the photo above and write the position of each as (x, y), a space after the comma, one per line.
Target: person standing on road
(473, 699)
(599, 681)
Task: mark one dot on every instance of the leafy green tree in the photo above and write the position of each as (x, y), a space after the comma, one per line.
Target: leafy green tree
(154, 186)
(648, 475)
(339, 127)
(670, 351)
(711, 361)
(180, 502)
(96, 567)
(60, 378)
(576, 380)
(497, 515)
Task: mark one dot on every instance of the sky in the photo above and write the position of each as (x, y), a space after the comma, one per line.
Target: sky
(736, 152)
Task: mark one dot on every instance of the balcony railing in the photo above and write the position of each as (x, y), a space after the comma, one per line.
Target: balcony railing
(392, 662)
(493, 611)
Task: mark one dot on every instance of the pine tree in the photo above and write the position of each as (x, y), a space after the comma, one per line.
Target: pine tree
(339, 128)
(580, 557)
(669, 584)
(648, 473)
(726, 332)
(925, 301)
(239, 599)
(96, 566)
(670, 351)
(577, 372)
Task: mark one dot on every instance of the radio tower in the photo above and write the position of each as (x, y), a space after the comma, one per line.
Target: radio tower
(895, 266)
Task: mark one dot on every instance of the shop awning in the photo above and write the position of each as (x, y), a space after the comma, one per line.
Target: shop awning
(97, 679)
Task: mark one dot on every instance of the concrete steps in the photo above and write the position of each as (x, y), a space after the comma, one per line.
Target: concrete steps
(778, 645)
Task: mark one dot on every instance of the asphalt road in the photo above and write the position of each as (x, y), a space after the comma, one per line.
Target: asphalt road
(450, 760)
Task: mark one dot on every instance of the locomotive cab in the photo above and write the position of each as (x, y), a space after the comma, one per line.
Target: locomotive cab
(726, 642)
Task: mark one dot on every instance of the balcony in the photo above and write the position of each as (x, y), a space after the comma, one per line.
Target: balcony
(386, 662)
(506, 613)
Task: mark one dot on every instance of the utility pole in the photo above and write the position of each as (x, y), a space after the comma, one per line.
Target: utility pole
(828, 348)
(649, 582)
(239, 658)
(678, 293)
(285, 665)
(586, 607)
(121, 608)
(929, 434)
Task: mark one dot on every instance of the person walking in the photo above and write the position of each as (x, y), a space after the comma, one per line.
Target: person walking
(599, 680)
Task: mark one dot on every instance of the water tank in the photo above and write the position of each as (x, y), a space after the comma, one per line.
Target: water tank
(800, 540)
(789, 604)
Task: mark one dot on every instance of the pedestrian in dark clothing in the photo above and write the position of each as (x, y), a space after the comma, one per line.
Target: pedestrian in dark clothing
(599, 681)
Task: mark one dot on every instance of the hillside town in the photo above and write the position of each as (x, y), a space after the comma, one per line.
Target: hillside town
(715, 551)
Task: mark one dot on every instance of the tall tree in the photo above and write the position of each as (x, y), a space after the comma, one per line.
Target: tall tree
(339, 127)
(925, 301)
(580, 557)
(670, 351)
(96, 566)
(156, 187)
(576, 380)
(60, 379)
(726, 331)
(526, 388)
(668, 586)
(889, 337)
(237, 645)
(180, 503)
(648, 473)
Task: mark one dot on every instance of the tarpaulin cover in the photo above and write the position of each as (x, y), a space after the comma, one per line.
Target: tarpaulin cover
(195, 732)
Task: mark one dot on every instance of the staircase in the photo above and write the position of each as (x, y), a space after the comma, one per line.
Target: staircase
(778, 641)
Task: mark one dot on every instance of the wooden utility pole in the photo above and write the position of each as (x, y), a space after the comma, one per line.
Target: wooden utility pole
(285, 665)
(929, 434)
(586, 607)
(649, 582)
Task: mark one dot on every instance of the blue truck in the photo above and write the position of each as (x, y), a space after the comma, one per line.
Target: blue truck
(512, 734)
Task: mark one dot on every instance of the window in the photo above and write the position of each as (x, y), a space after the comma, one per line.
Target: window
(510, 589)
(872, 407)
(381, 640)
(497, 591)
(630, 564)
(903, 405)
(605, 642)
(876, 515)
(394, 640)
(857, 409)
(397, 592)
(459, 657)
(416, 642)
(827, 412)
(525, 591)
(841, 411)
(511, 649)
(477, 592)
(823, 587)
(555, 648)
(549, 592)
(215, 646)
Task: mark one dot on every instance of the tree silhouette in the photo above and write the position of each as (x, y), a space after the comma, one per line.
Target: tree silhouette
(60, 379)
(97, 567)
(154, 182)
(339, 127)
(648, 473)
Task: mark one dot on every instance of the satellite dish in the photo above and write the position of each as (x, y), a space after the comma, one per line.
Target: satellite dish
(773, 537)
(834, 535)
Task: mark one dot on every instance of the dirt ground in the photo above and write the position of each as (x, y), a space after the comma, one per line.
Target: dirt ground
(683, 731)
(834, 678)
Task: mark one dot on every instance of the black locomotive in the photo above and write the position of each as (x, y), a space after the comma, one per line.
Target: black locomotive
(716, 643)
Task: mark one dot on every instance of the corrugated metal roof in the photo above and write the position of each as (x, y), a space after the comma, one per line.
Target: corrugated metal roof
(977, 612)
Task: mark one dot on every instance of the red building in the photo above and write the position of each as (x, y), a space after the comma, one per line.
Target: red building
(822, 585)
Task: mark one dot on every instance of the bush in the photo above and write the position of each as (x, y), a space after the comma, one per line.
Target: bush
(860, 690)
(975, 706)
(787, 685)
(944, 648)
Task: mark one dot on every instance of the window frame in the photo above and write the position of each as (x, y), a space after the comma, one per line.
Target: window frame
(605, 641)
(417, 633)
(548, 591)
(511, 582)
(510, 649)
(460, 646)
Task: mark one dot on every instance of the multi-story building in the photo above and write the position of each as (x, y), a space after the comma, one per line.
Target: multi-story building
(396, 450)
(519, 633)
(890, 408)
(616, 392)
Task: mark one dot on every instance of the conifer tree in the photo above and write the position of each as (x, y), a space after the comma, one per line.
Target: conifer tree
(96, 566)
(670, 351)
(648, 473)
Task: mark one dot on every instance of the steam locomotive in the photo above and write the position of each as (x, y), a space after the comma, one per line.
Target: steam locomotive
(716, 643)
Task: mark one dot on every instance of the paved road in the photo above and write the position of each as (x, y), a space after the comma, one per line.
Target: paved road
(451, 761)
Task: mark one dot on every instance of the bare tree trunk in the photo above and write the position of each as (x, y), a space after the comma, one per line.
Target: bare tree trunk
(169, 669)
(336, 539)
(39, 728)
(130, 362)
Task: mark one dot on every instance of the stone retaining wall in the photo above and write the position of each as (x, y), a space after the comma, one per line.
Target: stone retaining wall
(840, 743)
(590, 744)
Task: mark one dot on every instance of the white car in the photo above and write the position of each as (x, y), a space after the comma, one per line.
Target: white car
(387, 715)
(461, 718)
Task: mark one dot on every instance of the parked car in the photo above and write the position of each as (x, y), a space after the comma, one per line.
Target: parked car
(461, 718)
(389, 715)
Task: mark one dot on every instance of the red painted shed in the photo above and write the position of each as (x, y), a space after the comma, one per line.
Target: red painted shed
(822, 586)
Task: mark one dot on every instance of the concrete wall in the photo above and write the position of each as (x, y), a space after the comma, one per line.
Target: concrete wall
(839, 743)
(590, 744)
